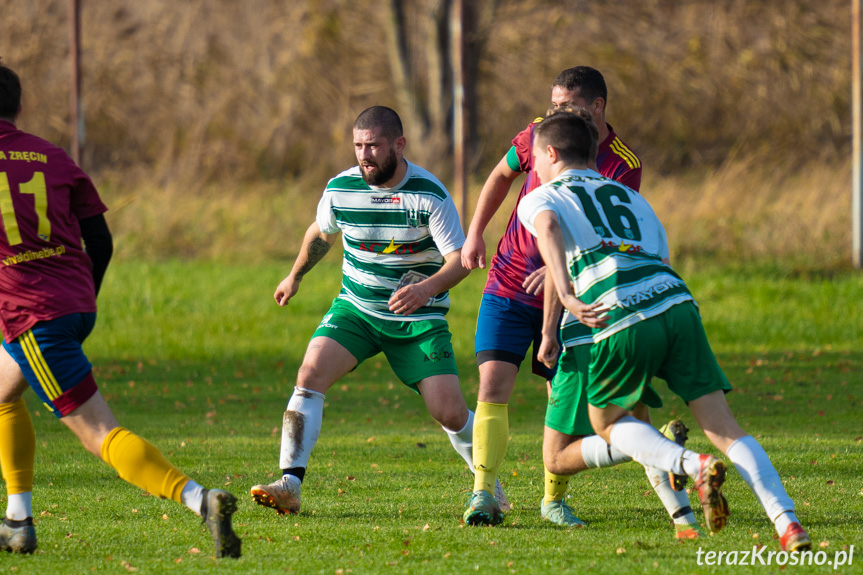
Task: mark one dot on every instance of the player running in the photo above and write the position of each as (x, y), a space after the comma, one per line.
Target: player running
(48, 287)
(607, 254)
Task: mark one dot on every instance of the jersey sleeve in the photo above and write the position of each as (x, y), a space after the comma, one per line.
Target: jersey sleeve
(445, 227)
(325, 216)
(518, 157)
(84, 200)
(529, 207)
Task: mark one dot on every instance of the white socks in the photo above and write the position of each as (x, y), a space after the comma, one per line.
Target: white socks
(675, 502)
(597, 453)
(20, 506)
(755, 468)
(646, 445)
(462, 440)
(192, 496)
(301, 427)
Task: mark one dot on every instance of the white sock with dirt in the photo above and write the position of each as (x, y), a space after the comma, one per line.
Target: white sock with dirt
(301, 427)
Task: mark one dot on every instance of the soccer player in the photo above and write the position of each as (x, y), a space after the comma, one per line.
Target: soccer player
(607, 254)
(402, 251)
(511, 318)
(48, 287)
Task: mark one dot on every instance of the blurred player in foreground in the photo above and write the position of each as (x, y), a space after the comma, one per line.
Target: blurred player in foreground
(48, 287)
(607, 254)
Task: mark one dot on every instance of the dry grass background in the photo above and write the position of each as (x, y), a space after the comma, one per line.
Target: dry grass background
(213, 125)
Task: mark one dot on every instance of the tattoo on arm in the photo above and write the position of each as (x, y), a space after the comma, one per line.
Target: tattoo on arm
(318, 248)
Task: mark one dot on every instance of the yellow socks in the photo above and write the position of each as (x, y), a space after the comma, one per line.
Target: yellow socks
(555, 487)
(490, 437)
(140, 463)
(17, 447)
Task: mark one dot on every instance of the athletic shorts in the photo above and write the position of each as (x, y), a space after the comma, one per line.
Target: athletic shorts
(671, 346)
(505, 329)
(567, 404)
(51, 359)
(414, 349)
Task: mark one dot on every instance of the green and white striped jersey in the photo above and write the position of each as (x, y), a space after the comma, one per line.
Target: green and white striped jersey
(614, 246)
(392, 237)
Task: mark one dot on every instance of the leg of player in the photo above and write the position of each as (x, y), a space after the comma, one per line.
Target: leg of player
(566, 455)
(715, 418)
(17, 455)
(142, 464)
(445, 403)
(490, 438)
(647, 446)
(326, 361)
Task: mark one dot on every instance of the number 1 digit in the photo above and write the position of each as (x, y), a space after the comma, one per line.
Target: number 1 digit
(35, 186)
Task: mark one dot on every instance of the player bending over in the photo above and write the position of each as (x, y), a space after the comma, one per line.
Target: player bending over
(608, 256)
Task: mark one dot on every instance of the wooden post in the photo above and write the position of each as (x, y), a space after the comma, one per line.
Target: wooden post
(77, 117)
(857, 160)
(459, 130)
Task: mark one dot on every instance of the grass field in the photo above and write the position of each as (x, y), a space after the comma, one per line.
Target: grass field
(197, 358)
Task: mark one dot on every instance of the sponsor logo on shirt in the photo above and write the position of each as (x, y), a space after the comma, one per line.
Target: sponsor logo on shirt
(386, 200)
(648, 294)
(391, 248)
(31, 255)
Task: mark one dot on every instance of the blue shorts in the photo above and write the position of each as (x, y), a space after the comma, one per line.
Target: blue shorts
(505, 329)
(52, 360)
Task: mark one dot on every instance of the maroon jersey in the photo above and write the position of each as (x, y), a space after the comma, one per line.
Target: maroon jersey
(44, 271)
(517, 253)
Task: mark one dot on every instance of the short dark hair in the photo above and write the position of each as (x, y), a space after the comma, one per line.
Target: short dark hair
(590, 81)
(380, 117)
(570, 134)
(10, 92)
(584, 115)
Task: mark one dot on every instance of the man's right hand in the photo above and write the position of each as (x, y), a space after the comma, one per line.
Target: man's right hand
(287, 289)
(473, 252)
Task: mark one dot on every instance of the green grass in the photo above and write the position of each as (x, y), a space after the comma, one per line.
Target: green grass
(198, 358)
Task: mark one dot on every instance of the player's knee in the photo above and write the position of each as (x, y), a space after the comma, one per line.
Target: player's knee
(310, 376)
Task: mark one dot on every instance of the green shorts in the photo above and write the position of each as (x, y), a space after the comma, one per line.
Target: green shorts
(567, 404)
(414, 349)
(671, 346)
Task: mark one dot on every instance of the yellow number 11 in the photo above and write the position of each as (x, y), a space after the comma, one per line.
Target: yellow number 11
(35, 186)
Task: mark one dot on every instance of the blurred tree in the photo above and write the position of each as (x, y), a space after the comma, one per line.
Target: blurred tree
(427, 90)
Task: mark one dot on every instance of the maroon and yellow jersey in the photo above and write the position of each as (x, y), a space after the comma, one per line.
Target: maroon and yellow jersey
(44, 271)
(517, 254)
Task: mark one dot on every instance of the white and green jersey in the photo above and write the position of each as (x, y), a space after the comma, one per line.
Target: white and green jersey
(392, 237)
(614, 247)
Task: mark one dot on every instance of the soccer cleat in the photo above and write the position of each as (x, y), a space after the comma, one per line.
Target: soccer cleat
(18, 536)
(280, 495)
(677, 432)
(500, 497)
(688, 531)
(795, 539)
(220, 506)
(482, 509)
(709, 482)
(561, 514)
